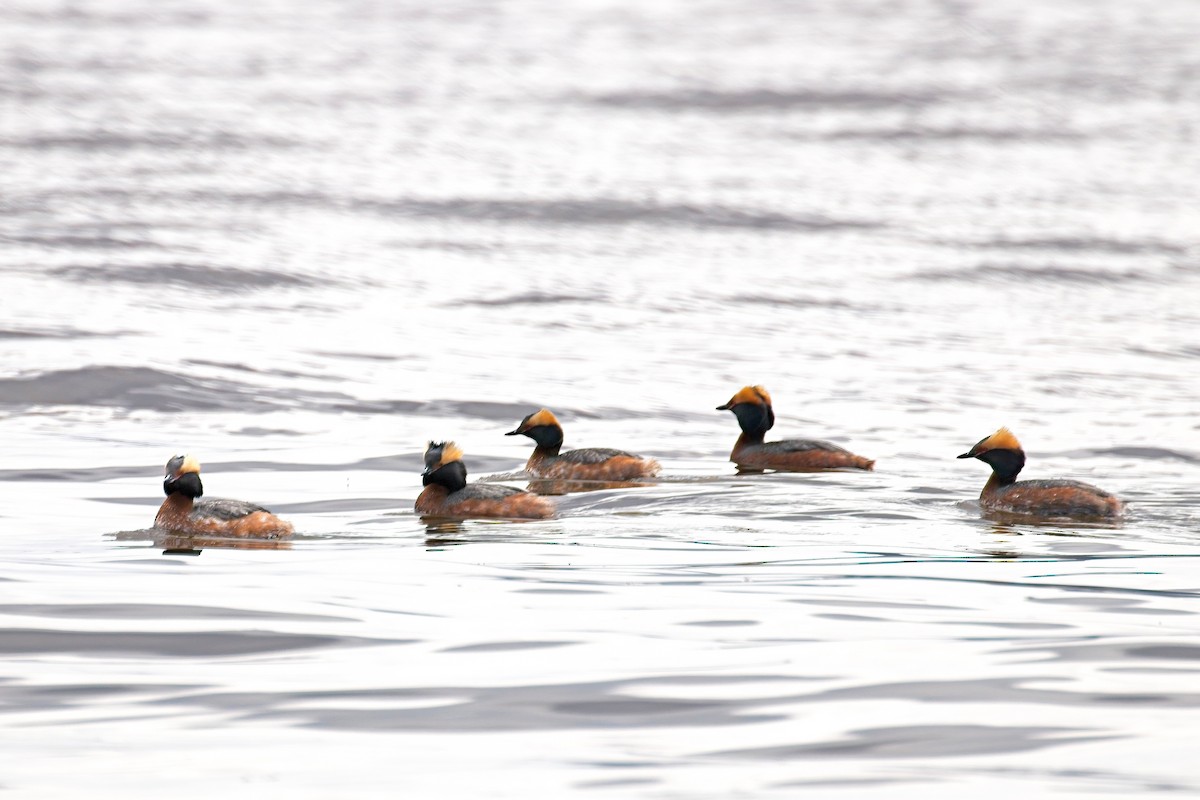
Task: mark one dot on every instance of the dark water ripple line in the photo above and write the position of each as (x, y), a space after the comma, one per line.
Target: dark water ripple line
(1066, 587)
(22, 698)
(480, 409)
(864, 558)
(604, 212)
(760, 99)
(617, 783)
(1119, 654)
(924, 741)
(1075, 244)
(846, 603)
(850, 783)
(236, 366)
(187, 139)
(606, 704)
(1008, 691)
(1144, 453)
(76, 240)
(190, 276)
(530, 299)
(89, 18)
(568, 706)
(504, 647)
(343, 505)
(126, 611)
(60, 333)
(610, 704)
(1008, 558)
(594, 211)
(507, 412)
(192, 644)
(379, 357)
(780, 301)
(951, 133)
(731, 574)
(1020, 273)
(150, 389)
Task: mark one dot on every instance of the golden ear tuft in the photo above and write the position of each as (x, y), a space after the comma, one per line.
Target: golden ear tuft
(450, 453)
(542, 417)
(190, 464)
(1002, 439)
(755, 395)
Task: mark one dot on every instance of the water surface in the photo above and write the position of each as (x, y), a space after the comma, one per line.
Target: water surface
(299, 241)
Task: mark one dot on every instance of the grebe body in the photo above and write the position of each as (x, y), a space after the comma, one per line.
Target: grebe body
(752, 407)
(587, 464)
(447, 493)
(183, 513)
(1042, 498)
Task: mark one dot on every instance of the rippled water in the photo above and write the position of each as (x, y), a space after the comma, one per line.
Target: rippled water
(299, 239)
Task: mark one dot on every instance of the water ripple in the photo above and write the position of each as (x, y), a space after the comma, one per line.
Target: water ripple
(757, 100)
(190, 644)
(923, 741)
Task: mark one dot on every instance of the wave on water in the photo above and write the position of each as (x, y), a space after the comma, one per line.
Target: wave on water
(188, 140)
(1097, 244)
(1164, 651)
(602, 704)
(188, 644)
(148, 389)
(480, 409)
(193, 276)
(610, 211)
(1018, 273)
(789, 302)
(82, 241)
(917, 134)
(590, 211)
(54, 333)
(752, 100)
(87, 17)
(158, 390)
(125, 611)
(1146, 453)
(1186, 352)
(923, 741)
(530, 299)
(494, 411)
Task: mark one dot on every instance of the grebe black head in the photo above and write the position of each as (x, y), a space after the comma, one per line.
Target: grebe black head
(752, 407)
(1002, 452)
(444, 466)
(541, 426)
(183, 476)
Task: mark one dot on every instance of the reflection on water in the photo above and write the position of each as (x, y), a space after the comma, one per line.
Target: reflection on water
(304, 239)
(194, 544)
(560, 487)
(181, 544)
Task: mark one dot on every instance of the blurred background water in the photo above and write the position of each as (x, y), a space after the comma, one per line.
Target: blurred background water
(299, 239)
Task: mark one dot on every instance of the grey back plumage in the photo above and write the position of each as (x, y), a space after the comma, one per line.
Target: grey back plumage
(483, 491)
(220, 508)
(592, 455)
(800, 446)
